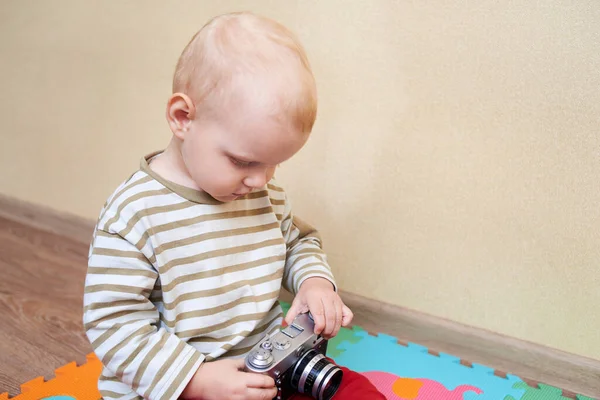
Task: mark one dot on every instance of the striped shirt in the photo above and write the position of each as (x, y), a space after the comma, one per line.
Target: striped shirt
(176, 278)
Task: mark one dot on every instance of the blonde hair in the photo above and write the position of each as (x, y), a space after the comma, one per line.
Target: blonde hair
(242, 59)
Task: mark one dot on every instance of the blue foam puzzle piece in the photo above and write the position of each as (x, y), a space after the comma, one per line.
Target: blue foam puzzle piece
(449, 357)
(482, 368)
(414, 347)
(59, 398)
(383, 353)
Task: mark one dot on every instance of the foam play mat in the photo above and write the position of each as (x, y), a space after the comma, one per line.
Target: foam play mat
(400, 371)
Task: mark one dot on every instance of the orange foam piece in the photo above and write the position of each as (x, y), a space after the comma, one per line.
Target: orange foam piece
(407, 388)
(79, 382)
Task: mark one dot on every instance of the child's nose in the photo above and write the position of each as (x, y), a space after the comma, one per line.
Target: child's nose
(256, 180)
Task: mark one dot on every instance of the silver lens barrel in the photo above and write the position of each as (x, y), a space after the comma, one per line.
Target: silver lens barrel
(316, 376)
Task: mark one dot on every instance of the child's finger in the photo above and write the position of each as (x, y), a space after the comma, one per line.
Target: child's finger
(347, 315)
(318, 312)
(330, 318)
(293, 311)
(254, 380)
(338, 317)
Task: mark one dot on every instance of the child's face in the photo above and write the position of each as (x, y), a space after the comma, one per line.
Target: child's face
(229, 157)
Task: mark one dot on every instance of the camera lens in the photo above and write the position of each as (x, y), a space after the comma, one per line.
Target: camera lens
(316, 376)
(330, 384)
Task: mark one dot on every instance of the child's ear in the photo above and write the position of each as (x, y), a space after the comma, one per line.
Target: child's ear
(180, 113)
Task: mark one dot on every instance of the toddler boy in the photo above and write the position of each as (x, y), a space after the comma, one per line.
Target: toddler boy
(189, 254)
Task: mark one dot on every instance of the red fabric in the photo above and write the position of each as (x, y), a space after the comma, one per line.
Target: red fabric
(354, 387)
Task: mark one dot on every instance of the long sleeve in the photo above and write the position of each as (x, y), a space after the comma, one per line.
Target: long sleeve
(305, 257)
(122, 323)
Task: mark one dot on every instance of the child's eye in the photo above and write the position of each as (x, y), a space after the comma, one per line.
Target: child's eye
(239, 163)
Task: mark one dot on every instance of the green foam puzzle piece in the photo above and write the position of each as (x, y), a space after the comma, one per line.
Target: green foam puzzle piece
(542, 392)
(344, 335)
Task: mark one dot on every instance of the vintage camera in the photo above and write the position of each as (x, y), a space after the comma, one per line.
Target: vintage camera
(295, 358)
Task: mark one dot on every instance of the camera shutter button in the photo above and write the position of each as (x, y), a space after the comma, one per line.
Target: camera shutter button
(282, 343)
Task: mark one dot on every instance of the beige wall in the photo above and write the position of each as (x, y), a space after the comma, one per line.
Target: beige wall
(454, 168)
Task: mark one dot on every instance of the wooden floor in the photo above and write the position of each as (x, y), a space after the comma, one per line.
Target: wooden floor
(41, 289)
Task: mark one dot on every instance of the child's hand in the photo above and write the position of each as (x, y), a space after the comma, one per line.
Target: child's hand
(226, 380)
(329, 312)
